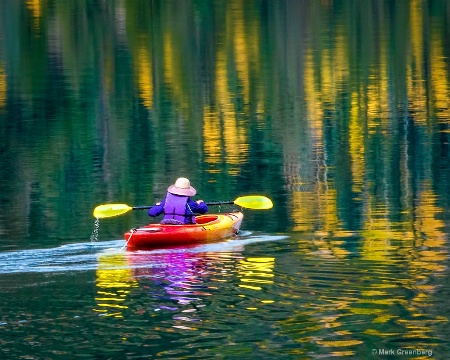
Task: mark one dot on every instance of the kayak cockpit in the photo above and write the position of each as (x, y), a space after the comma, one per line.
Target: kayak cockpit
(205, 219)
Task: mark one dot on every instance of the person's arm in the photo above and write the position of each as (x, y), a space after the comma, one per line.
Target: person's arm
(198, 207)
(157, 209)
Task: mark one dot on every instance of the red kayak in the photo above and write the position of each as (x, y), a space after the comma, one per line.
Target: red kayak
(208, 228)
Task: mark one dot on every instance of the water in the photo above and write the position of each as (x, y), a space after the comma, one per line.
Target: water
(336, 110)
(256, 295)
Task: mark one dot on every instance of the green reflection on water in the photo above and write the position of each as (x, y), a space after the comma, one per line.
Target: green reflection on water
(329, 117)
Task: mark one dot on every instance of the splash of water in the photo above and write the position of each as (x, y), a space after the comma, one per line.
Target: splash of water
(94, 235)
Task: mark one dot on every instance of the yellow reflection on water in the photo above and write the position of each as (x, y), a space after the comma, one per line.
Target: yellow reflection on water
(255, 274)
(313, 99)
(212, 139)
(315, 210)
(145, 77)
(389, 284)
(417, 92)
(378, 233)
(170, 63)
(256, 271)
(313, 199)
(234, 136)
(416, 29)
(114, 282)
(174, 72)
(341, 58)
(35, 6)
(378, 96)
(426, 255)
(431, 240)
(236, 25)
(356, 143)
(427, 221)
(438, 90)
(439, 78)
(339, 343)
(221, 126)
(2, 85)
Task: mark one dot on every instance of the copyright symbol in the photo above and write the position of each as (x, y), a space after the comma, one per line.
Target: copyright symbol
(374, 351)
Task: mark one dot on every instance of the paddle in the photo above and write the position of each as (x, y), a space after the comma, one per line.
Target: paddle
(256, 202)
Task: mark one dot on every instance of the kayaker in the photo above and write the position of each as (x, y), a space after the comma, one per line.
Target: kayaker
(177, 206)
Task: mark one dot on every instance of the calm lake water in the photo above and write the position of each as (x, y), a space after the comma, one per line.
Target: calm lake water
(339, 111)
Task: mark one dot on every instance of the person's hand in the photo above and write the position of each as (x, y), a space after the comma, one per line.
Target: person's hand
(199, 201)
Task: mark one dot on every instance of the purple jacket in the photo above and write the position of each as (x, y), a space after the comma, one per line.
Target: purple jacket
(180, 208)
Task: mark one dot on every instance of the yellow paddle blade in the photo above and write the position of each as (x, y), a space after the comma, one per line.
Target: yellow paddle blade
(256, 202)
(110, 210)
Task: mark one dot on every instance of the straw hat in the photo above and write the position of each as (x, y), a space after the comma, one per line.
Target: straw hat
(182, 187)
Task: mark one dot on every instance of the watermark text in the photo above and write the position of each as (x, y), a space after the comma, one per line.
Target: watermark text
(402, 352)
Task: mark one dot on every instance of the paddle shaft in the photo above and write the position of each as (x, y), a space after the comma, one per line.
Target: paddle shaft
(220, 202)
(255, 202)
(208, 203)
